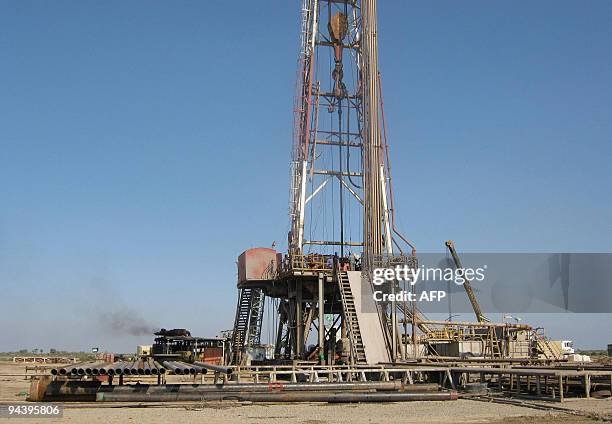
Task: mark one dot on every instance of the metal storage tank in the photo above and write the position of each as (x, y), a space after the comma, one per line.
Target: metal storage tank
(258, 264)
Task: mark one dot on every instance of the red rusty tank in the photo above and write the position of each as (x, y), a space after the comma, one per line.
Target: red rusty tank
(258, 264)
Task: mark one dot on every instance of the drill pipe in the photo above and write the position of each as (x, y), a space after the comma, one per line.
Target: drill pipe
(87, 390)
(199, 369)
(152, 366)
(139, 367)
(146, 367)
(85, 367)
(174, 367)
(123, 367)
(60, 371)
(98, 370)
(159, 367)
(215, 368)
(181, 368)
(126, 367)
(69, 369)
(87, 370)
(74, 387)
(306, 396)
(133, 367)
(92, 368)
(188, 368)
(120, 366)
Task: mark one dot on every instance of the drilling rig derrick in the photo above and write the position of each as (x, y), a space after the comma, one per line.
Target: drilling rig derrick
(341, 216)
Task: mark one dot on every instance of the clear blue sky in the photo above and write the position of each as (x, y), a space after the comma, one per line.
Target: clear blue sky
(145, 144)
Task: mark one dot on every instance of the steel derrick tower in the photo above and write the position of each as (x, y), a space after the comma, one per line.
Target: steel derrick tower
(339, 194)
(340, 205)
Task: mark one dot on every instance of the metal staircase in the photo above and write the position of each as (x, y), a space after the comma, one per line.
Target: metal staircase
(247, 324)
(544, 347)
(256, 319)
(350, 314)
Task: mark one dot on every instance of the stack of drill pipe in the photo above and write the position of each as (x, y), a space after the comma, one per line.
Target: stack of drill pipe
(125, 368)
(97, 368)
(199, 369)
(138, 367)
(215, 368)
(133, 368)
(84, 367)
(174, 369)
(88, 390)
(76, 369)
(71, 369)
(120, 367)
(67, 370)
(181, 368)
(190, 368)
(91, 368)
(187, 368)
(150, 364)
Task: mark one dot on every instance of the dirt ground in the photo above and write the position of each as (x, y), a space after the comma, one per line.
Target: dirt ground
(14, 388)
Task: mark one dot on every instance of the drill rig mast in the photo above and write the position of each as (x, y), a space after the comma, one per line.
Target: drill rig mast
(339, 176)
(340, 201)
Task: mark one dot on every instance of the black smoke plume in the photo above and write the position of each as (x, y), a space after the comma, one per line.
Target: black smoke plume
(127, 321)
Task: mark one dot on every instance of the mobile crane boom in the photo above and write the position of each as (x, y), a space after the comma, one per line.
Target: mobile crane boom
(466, 284)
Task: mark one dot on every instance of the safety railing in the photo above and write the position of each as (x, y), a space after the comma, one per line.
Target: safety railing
(311, 262)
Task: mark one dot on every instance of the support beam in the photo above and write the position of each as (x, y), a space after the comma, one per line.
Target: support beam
(332, 243)
(299, 320)
(321, 319)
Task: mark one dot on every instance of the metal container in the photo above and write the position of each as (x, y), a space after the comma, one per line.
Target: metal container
(257, 264)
